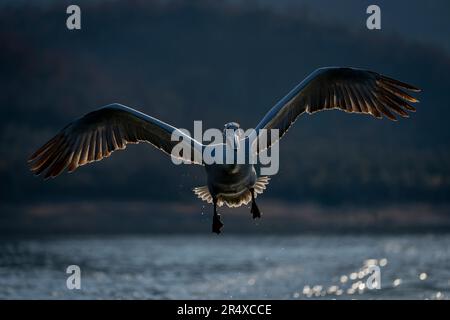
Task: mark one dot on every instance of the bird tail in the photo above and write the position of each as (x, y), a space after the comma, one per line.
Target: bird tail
(232, 200)
(261, 184)
(203, 193)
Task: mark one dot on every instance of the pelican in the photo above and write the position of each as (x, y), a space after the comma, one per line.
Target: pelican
(97, 134)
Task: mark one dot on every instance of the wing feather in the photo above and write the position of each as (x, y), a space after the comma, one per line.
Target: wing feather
(97, 134)
(348, 89)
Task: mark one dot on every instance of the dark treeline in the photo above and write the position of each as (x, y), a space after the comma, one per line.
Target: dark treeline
(184, 62)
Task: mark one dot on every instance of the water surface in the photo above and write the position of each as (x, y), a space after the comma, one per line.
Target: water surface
(227, 267)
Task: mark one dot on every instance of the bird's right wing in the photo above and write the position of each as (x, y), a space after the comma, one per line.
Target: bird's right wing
(99, 133)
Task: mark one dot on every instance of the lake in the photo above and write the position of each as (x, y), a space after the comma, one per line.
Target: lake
(227, 267)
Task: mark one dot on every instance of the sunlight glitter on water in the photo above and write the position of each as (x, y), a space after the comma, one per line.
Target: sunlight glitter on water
(177, 267)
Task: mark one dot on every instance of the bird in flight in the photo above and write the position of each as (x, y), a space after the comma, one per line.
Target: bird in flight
(97, 134)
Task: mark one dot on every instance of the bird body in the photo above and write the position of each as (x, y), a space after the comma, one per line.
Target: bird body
(230, 178)
(99, 133)
(230, 184)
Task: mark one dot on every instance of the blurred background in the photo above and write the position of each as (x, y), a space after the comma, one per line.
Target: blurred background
(221, 61)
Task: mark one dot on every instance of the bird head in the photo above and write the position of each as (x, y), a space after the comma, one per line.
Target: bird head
(232, 134)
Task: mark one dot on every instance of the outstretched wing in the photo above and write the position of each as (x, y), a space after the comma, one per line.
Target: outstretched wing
(348, 89)
(99, 133)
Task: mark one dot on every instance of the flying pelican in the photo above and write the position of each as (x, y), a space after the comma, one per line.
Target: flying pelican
(97, 134)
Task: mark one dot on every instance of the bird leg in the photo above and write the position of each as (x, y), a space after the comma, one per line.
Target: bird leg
(217, 224)
(254, 209)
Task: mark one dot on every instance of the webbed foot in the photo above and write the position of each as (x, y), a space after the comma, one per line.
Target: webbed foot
(255, 210)
(217, 224)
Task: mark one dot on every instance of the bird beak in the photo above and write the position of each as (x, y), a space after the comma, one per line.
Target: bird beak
(233, 140)
(236, 141)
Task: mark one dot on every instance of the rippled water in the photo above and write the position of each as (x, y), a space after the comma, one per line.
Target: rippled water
(227, 267)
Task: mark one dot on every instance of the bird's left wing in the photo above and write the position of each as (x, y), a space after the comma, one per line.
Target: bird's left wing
(348, 89)
(99, 133)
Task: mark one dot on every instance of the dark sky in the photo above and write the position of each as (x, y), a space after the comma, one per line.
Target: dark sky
(423, 21)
